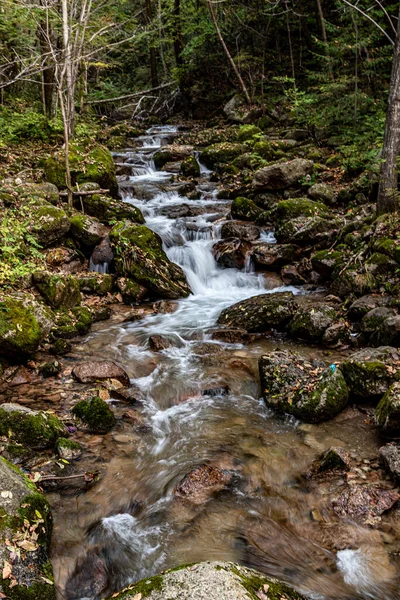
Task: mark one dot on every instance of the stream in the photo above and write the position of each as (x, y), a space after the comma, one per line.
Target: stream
(201, 405)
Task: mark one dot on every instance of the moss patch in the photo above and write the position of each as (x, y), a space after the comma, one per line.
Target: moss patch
(95, 413)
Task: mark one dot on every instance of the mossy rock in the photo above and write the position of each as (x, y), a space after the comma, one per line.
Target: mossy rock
(131, 292)
(47, 223)
(306, 230)
(387, 413)
(380, 264)
(86, 164)
(30, 428)
(24, 324)
(190, 167)
(265, 149)
(249, 161)
(387, 246)
(139, 255)
(260, 313)
(171, 154)
(225, 152)
(109, 211)
(97, 284)
(70, 324)
(299, 207)
(68, 449)
(322, 192)
(311, 322)
(350, 283)
(244, 209)
(95, 413)
(370, 372)
(247, 132)
(326, 262)
(26, 518)
(59, 291)
(209, 581)
(88, 231)
(308, 390)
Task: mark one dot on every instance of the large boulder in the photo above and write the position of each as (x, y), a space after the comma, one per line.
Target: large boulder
(224, 152)
(139, 255)
(25, 535)
(308, 229)
(311, 322)
(370, 372)
(272, 257)
(231, 253)
(171, 154)
(34, 429)
(387, 413)
(283, 175)
(360, 307)
(209, 581)
(59, 291)
(308, 390)
(322, 192)
(245, 209)
(47, 223)
(108, 210)
(325, 262)
(260, 313)
(247, 232)
(87, 231)
(352, 283)
(87, 164)
(24, 324)
(90, 372)
(299, 207)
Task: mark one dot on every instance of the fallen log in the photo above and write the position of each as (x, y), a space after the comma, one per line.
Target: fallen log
(135, 95)
(84, 193)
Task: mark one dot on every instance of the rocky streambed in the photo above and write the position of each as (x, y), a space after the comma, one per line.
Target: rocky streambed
(235, 413)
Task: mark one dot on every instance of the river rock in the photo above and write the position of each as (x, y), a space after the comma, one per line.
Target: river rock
(87, 231)
(325, 262)
(95, 413)
(364, 503)
(351, 283)
(68, 450)
(272, 257)
(108, 210)
(171, 154)
(299, 207)
(307, 390)
(291, 276)
(90, 372)
(26, 572)
(231, 253)
(334, 459)
(24, 324)
(390, 455)
(224, 152)
(59, 291)
(158, 342)
(387, 413)
(370, 372)
(140, 256)
(164, 307)
(306, 230)
(365, 304)
(209, 581)
(282, 176)
(97, 284)
(247, 232)
(34, 429)
(131, 292)
(260, 313)
(311, 322)
(200, 484)
(48, 223)
(190, 167)
(323, 192)
(245, 209)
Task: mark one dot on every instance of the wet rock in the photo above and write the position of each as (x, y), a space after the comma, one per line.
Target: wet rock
(260, 313)
(370, 372)
(390, 455)
(59, 291)
(307, 390)
(200, 484)
(209, 581)
(95, 413)
(131, 395)
(96, 284)
(351, 283)
(34, 429)
(25, 572)
(60, 347)
(140, 256)
(364, 503)
(231, 253)
(108, 210)
(68, 450)
(207, 348)
(158, 342)
(92, 371)
(164, 307)
(387, 413)
(334, 459)
(291, 276)
(245, 210)
(241, 230)
(306, 230)
(172, 167)
(365, 304)
(282, 176)
(101, 313)
(299, 207)
(131, 292)
(231, 336)
(323, 192)
(273, 256)
(190, 167)
(72, 323)
(217, 391)
(50, 369)
(311, 322)
(90, 578)
(24, 324)
(48, 223)
(272, 281)
(102, 258)
(325, 262)
(87, 231)
(171, 154)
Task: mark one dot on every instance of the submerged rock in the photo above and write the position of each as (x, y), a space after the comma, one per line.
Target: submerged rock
(210, 581)
(365, 503)
(26, 523)
(334, 459)
(90, 372)
(201, 483)
(310, 391)
(282, 176)
(370, 372)
(260, 313)
(95, 413)
(231, 253)
(35, 429)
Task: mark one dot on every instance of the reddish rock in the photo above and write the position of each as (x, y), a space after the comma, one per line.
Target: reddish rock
(364, 503)
(201, 483)
(165, 307)
(93, 371)
(158, 342)
(291, 276)
(231, 253)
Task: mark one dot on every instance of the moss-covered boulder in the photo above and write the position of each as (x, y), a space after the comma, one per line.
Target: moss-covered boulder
(272, 257)
(260, 313)
(283, 175)
(24, 324)
(72, 323)
(190, 167)
(87, 231)
(86, 164)
(96, 283)
(388, 246)
(325, 262)
(35, 429)
(68, 449)
(299, 207)
(131, 292)
(306, 230)
(59, 291)
(247, 132)
(382, 326)
(47, 223)
(370, 372)
(25, 534)
(225, 153)
(311, 322)
(387, 413)
(309, 390)
(322, 192)
(109, 211)
(139, 255)
(241, 230)
(380, 264)
(245, 209)
(95, 413)
(209, 581)
(171, 154)
(352, 283)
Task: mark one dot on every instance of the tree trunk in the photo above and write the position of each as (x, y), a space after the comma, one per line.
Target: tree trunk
(324, 37)
(44, 34)
(178, 43)
(388, 183)
(153, 51)
(228, 54)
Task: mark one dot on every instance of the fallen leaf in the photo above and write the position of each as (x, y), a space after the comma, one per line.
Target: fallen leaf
(28, 545)
(137, 597)
(7, 570)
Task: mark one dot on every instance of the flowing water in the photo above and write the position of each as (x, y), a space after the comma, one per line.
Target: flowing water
(201, 405)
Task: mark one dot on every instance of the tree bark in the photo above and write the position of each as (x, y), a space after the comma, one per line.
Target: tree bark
(324, 37)
(228, 54)
(153, 51)
(178, 42)
(388, 198)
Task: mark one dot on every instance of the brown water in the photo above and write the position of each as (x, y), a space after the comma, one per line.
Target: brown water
(131, 522)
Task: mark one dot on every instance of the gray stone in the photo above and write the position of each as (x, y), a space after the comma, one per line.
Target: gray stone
(282, 175)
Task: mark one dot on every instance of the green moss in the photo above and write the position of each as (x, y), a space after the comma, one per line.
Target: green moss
(48, 223)
(38, 590)
(95, 413)
(69, 444)
(190, 167)
(253, 582)
(20, 331)
(265, 150)
(225, 152)
(34, 430)
(109, 211)
(246, 132)
(97, 284)
(84, 319)
(59, 291)
(297, 207)
(245, 209)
